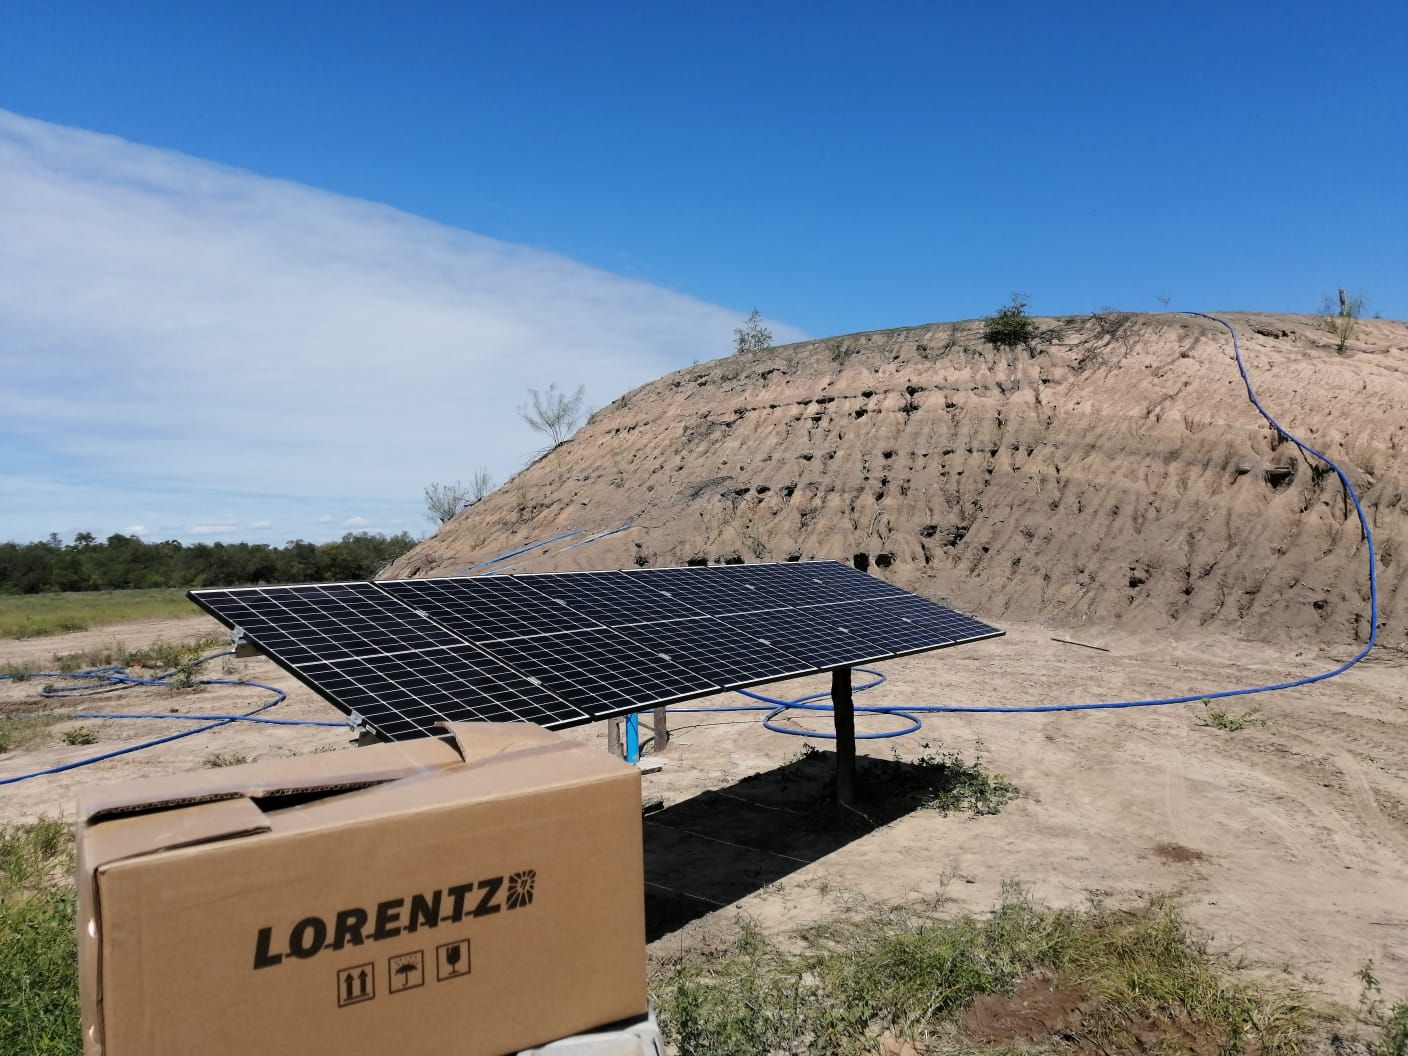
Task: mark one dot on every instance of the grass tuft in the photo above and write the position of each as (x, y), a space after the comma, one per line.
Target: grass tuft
(1219, 718)
(220, 759)
(38, 943)
(908, 974)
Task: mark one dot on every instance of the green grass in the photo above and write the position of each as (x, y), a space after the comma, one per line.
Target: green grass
(38, 945)
(839, 987)
(37, 615)
(1231, 722)
(21, 732)
(220, 759)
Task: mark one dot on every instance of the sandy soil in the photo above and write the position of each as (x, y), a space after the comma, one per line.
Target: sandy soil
(1287, 842)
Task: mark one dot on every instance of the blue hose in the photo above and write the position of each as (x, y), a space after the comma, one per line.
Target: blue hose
(776, 708)
(118, 679)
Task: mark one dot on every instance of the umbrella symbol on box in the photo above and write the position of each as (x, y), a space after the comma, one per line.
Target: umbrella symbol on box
(406, 971)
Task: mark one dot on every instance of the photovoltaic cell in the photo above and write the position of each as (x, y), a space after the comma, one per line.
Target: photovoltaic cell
(823, 641)
(725, 655)
(488, 609)
(610, 598)
(404, 696)
(318, 623)
(709, 590)
(920, 612)
(601, 672)
(841, 582)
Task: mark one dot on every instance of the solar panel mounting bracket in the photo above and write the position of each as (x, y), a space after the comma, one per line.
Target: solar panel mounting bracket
(243, 646)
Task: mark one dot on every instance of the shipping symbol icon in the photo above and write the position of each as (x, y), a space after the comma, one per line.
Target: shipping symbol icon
(405, 972)
(356, 984)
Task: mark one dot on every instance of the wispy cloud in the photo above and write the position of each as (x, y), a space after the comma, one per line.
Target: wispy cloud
(177, 336)
(217, 528)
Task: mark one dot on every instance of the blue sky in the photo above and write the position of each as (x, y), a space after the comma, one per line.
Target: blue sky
(659, 168)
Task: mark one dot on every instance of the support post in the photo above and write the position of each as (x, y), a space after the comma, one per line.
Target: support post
(613, 736)
(845, 715)
(662, 732)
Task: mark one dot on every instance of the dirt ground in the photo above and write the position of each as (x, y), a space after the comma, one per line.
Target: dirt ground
(1287, 842)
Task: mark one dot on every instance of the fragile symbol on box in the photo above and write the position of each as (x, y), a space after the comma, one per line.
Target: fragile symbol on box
(356, 984)
(405, 972)
(452, 960)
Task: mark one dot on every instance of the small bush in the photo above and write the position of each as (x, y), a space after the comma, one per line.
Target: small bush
(1221, 719)
(752, 336)
(1010, 326)
(220, 759)
(80, 735)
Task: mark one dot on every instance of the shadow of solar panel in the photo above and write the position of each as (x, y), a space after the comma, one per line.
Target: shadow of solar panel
(305, 624)
(722, 654)
(921, 613)
(823, 641)
(487, 610)
(715, 591)
(610, 598)
(405, 696)
(601, 672)
(838, 582)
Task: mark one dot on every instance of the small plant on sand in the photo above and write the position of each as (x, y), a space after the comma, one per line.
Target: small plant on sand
(1010, 326)
(1390, 1023)
(752, 336)
(1220, 718)
(1342, 318)
(80, 735)
(220, 759)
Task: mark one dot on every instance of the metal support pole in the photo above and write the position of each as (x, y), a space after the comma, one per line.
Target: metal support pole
(662, 732)
(845, 715)
(613, 736)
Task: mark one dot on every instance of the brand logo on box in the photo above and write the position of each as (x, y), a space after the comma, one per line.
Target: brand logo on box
(396, 916)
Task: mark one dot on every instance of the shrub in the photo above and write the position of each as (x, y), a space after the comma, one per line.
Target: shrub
(1010, 326)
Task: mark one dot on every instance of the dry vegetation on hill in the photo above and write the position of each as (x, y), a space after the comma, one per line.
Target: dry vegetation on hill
(1112, 472)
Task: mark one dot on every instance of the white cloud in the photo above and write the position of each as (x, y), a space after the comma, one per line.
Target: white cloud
(177, 335)
(260, 526)
(356, 522)
(216, 528)
(136, 529)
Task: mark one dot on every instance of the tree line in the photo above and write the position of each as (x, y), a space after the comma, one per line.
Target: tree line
(123, 562)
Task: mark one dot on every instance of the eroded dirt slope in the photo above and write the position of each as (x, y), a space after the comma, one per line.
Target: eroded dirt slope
(1111, 473)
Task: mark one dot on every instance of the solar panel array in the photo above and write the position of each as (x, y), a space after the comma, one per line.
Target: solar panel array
(562, 649)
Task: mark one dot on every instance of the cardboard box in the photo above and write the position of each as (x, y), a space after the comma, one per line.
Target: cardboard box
(466, 898)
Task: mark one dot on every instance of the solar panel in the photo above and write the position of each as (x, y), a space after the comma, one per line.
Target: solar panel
(562, 649)
(823, 641)
(333, 621)
(488, 610)
(601, 672)
(710, 590)
(611, 598)
(405, 696)
(725, 655)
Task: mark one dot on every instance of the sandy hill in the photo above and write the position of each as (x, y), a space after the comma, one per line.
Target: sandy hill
(1112, 473)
